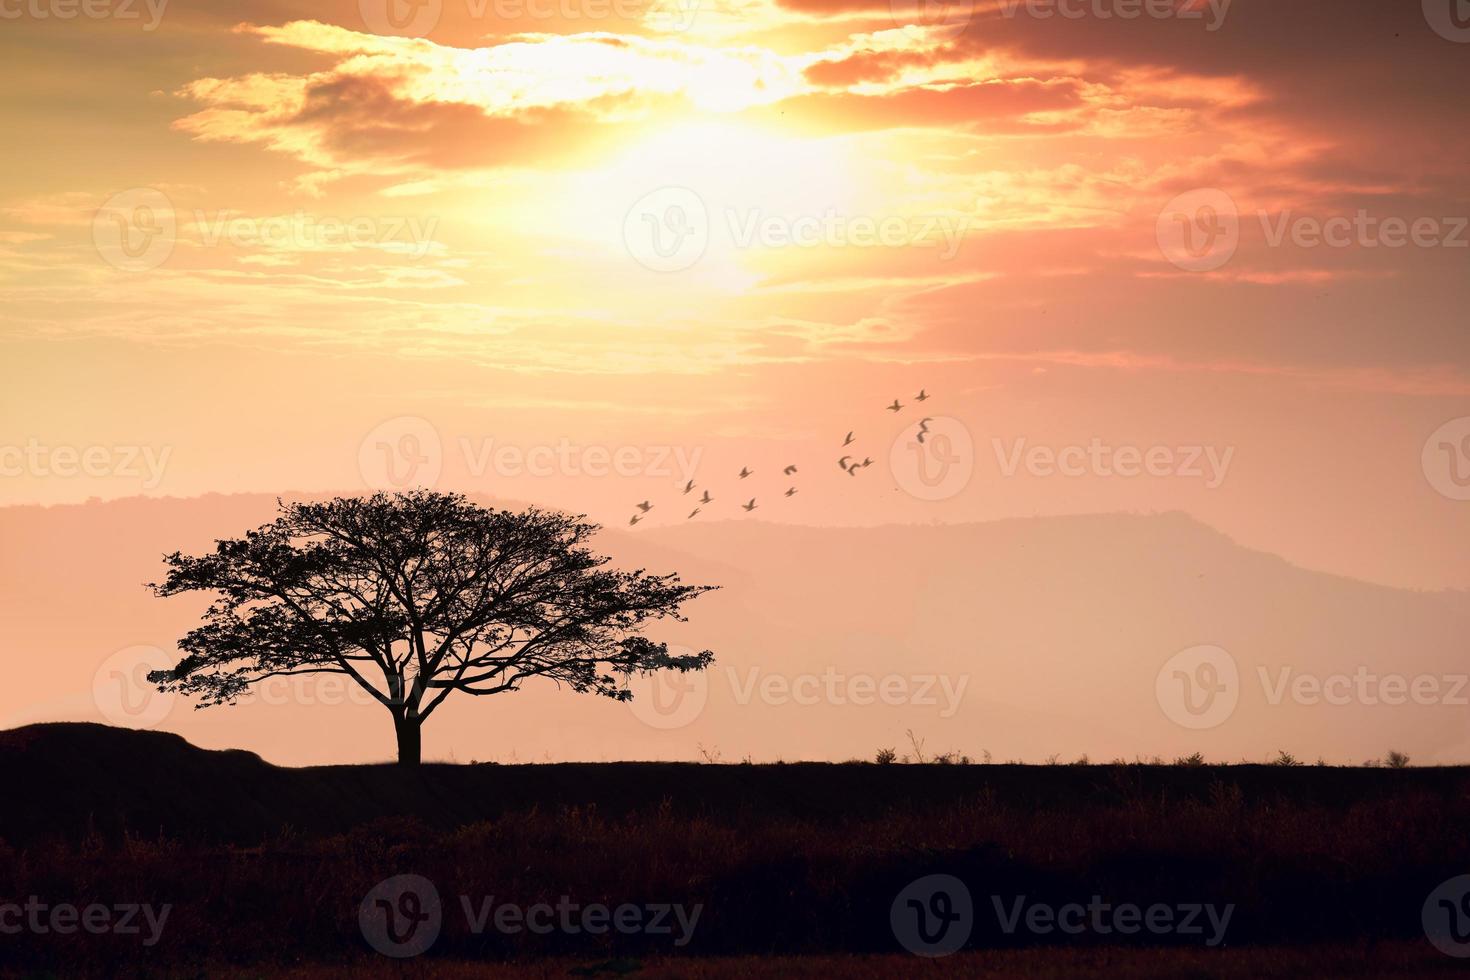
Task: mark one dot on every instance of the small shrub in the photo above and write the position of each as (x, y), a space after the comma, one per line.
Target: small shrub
(1396, 760)
(1285, 758)
(886, 757)
(1190, 760)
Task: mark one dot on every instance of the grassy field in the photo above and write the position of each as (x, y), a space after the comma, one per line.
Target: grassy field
(266, 869)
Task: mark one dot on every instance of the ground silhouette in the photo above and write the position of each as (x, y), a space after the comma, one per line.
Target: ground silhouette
(800, 859)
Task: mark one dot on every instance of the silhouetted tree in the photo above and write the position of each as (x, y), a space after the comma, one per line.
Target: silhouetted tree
(415, 596)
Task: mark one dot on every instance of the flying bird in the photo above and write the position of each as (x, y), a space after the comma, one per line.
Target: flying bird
(692, 513)
(706, 498)
(645, 507)
(749, 506)
(744, 472)
(689, 486)
(789, 470)
(852, 470)
(895, 406)
(923, 428)
(921, 396)
(843, 462)
(848, 440)
(791, 492)
(634, 520)
(867, 461)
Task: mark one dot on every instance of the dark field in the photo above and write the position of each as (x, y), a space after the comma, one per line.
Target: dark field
(1324, 870)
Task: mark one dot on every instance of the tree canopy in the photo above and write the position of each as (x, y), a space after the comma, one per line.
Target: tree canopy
(415, 596)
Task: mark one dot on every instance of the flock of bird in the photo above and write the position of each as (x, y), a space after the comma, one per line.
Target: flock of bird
(847, 463)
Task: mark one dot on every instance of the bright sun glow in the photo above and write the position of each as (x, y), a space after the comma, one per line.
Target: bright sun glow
(740, 173)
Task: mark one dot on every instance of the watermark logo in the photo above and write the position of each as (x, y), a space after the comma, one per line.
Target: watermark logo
(667, 230)
(671, 16)
(136, 230)
(1446, 459)
(933, 916)
(303, 230)
(932, 19)
(1199, 230)
(933, 459)
(401, 916)
(668, 699)
(1450, 19)
(1446, 917)
(1198, 687)
(121, 690)
(402, 452)
(401, 18)
(670, 229)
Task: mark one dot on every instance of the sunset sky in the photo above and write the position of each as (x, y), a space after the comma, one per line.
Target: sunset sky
(255, 251)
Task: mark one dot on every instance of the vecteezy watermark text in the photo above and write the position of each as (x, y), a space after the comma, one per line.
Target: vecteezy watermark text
(127, 10)
(138, 229)
(567, 458)
(408, 451)
(832, 229)
(36, 459)
(402, 917)
(1211, 12)
(66, 919)
(573, 918)
(418, 18)
(1100, 918)
(668, 699)
(1199, 230)
(935, 915)
(837, 688)
(1200, 687)
(1096, 458)
(670, 229)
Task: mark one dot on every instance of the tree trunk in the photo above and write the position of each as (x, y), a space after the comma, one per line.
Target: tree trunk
(410, 740)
